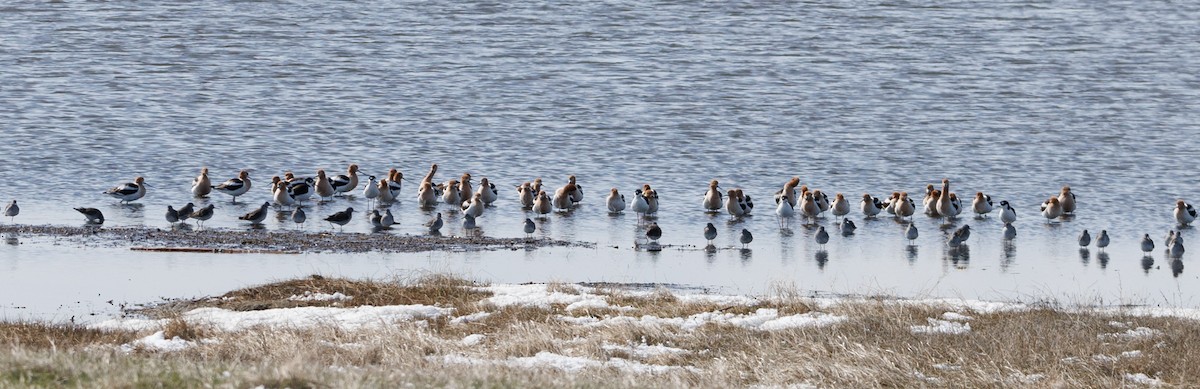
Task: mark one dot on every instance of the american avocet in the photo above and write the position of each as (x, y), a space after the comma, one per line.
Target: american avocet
(450, 193)
(488, 191)
(429, 176)
(809, 208)
(201, 185)
(323, 188)
(299, 217)
(822, 237)
(566, 196)
(203, 214)
(892, 203)
(537, 185)
(129, 191)
(577, 194)
(1010, 232)
(746, 238)
(525, 195)
(12, 210)
(982, 204)
(474, 206)
(341, 218)
(848, 227)
(870, 205)
(710, 232)
(930, 200)
(712, 198)
(1051, 209)
(542, 204)
(529, 228)
(236, 186)
(93, 215)
(280, 193)
(343, 183)
(394, 183)
(172, 215)
(956, 206)
(911, 233)
(1085, 239)
(376, 219)
(943, 205)
(1147, 243)
(465, 189)
(1067, 199)
(1184, 213)
(615, 201)
(651, 196)
(822, 200)
(640, 206)
(1008, 215)
(789, 192)
(371, 191)
(436, 224)
(256, 216)
(654, 232)
(904, 206)
(784, 211)
(1102, 241)
(427, 196)
(840, 206)
(186, 211)
(386, 196)
(300, 190)
(388, 219)
(734, 203)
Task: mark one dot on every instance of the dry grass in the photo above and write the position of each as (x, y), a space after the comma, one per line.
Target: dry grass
(874, 347)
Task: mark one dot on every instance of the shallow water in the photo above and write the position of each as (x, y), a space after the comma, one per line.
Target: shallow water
(1014, 99)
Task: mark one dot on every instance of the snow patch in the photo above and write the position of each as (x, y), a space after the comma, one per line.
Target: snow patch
(310, 296)
(1132, 354)
(473, 339)
(157, 342)
(764, 319)
(947, 367)
(551, 360)
(302, 317)
(1134, 334)
(955, 316)
(1142, 378)
(942, 327)
(474, 317)
(644, 350)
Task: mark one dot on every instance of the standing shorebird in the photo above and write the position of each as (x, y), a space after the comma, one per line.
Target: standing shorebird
(871, 205)
(1067, 199)
(847, 227)
(1184, 213)
(201, 185)
(341, 218)
(525, 195)
(1052, 209)
(344, 183)
(1085, 239)
(905, 207)
(789, 192)
(822, 237)
(530, 228)
(737, 203)
(615, 201)
(840, 206)
(451, 193)
(654, 232)
(93, 215)
(12, 210)
(394, 184)
(982, 205)
(435, 225)
(568, 195)
(300, 190)
(386, 196)
(640, 206)
(943, 205)
(464, 187)
(1102, 241)
(256, 216)
(172, 215)
(388, 220)
(710, 232)
(427, 196)
(487, 191)
(185, 211)
(1008, 215)
(651, 196)
(746, 238)
(371, 191)
(469, 222)
(236, 186)
(542, 204)
(1010, 232)
(785, 212)
(323, 188)
(911, 233)
(128, 191)
(202, 215)
(376, 219)
(809, 208)
(280, 194)
(712, 198)
(1147, 244)
(474, 206)
(299, 217)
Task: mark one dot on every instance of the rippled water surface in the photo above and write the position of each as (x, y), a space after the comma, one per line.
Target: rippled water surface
(1011, 98)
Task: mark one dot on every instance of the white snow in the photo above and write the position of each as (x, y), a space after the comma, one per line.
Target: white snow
(310, 296)
(947, 367)
(473, 339)
(303, 317)
(1134, 334)
(955, 316)
(644, 350)
(474, 317)
(536, 295)
(551, 360)
(764, 319)
(1142, 378)
(942, 327)
(157, 342)
(1132, 354)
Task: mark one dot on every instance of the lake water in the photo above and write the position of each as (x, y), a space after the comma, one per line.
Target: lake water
(1013, 98)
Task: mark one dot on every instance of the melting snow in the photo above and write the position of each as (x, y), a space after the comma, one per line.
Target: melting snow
(1142, 378)
(346, 318)
(942, 327)
(547, 359)
(955, 316)
(157, 342)
(310, 296)
(764, 319)
(474, 317)
(1134, 334)
(473, 339)
(645, 351)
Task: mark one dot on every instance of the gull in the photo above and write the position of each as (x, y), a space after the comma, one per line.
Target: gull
(654, 232)
(789, 192)
(341, 218)
(1008, 215)
(128, 191)
(388, 220)
(1085, 239)
(371, 190)
(280, 193)
(343, 183)
(1102, 241)
(488, 191)
(1184, 213)
(436, 224)
(848, 227)
(615, 201)
(450, 193)
(236, 186)
(785, 211)
(1010, 232)
(542, 203)
(822, 237)
(1052, 209)
(529, 228)
(710, 232)
(172, 215)
(427, 196)
(840, 206)
(474, 206)
(1147, 243)
(911, 233)
(201, 185)
(982, 205)
(299, 217)
(93, 215)
(203, 214)
(468, 222)
(256, 216)
(712, 198)
(12, 210)
(525, 195)
(943, 205)
(1067, 199)
(185, 211)
(871, 206)
(746, 238)
(323, 188)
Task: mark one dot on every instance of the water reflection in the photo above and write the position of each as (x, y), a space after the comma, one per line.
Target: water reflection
(910, 253)
(959, 256)
(1176, 268)
(1147, 263)
(745, 256)
(11, 239)
(1085, 256)
(1008, 254)
(1102, 258)
(822, 258)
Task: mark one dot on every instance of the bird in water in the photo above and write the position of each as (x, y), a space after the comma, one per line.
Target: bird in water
(911, 233)
(12, 210)
(341, 218)
(1147, 244)
(1052, 209)
(1067, 199)
(469, 222)
(871, 205)
(1184, 213)
(201, 185)
(822, 237)
(712, 198)
(343, 183)
(435, 225)
(93, 215)
(1010, 232)
(615, 201)
(654, 232)
(299, 217)
(840, 206)
(128, 191)
(1102, 241)
(710, 232)
(848, 227)
(203, 214)
(172, 215)
(1085, 239)
(376, 219)
(186, 211)
(236, 186)
(387, 220)
(982, 204)
(785, 211)
(256, 216)
(1008, 215)
(530, 228)
(746, 238)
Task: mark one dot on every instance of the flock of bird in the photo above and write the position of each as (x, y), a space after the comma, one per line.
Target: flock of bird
(791, 200)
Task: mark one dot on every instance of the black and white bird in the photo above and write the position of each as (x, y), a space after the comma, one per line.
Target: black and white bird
(12, 210)
(236, 186)
(848, 227)
(615, 201)
(870, 205)
(256, 216)
(203, 214)
(93, 215)
(1066, 198)
(746, 238)
(128, 191)
(710, 231)
(301, 190)
(840, 206)
(1008, 215)
(341, 218)
(982, 204)
(487, 191)
(1052, 209)
(1184, 213)
(343, 183)
(784, 210)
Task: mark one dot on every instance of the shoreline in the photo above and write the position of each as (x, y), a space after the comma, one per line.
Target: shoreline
(275, 241)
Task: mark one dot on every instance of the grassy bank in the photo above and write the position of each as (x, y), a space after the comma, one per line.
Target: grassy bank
(322, 332)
